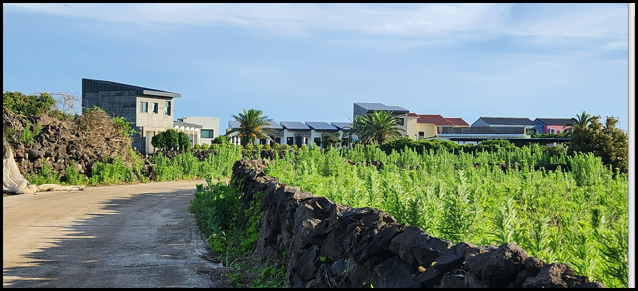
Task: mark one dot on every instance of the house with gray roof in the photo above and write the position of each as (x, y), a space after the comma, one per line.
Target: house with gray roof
(150, 110)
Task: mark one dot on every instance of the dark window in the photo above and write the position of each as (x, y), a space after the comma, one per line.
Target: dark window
(155, 108)
(318, 141)
(144, 107)
(278, 140)
(401, 121)
(167, 108)
(290, 140)
(208, 133)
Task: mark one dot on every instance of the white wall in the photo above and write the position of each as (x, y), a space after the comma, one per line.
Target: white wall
(206, 123)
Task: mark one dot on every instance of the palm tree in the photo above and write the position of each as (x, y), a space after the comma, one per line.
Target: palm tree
(252, 126)
(581, 121)
(377, 127)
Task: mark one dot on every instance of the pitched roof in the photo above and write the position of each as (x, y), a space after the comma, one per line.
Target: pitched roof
(321, 126)
(412, 114)
(437, 120)
(555, 121)
(294, 125)
(457, 121)
(94, 86)
(382, 107)
(508, 121)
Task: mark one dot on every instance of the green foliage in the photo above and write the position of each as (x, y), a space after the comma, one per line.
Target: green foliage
(197, 146)
(222, 139)
(167, 140)
(73, 177)
(276, 146)
(27, 105)
(377, 127)
(607, 142)
(330, 140)
(553, 215)
(252, 126)
(27, 135)
(45, 175)
(205, 146)
(233, 234)
(114, 172)
(183, 141)
(125, 128)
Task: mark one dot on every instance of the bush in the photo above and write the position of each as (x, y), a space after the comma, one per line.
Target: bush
(205, 146)
(27, 105)
(197, 146)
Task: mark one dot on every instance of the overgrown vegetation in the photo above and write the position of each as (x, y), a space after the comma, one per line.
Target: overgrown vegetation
(233, 234)
(468, 197)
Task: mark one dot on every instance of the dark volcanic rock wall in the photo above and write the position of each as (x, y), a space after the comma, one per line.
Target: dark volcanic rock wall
(324, 244)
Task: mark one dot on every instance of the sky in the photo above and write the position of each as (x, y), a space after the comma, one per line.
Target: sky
(311, 62)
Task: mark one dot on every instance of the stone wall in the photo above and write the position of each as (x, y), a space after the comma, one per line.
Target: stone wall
(324, 244)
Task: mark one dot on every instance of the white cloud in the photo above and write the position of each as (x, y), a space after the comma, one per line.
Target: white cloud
(421, 20)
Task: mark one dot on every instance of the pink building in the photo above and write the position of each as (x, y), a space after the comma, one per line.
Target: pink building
(553, 125)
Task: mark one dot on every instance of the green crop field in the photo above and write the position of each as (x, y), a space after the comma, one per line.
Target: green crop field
(578, 217)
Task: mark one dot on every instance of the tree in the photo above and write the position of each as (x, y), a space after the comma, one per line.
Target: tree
(184, 141)
(377, 127)
(581, 121)
(607, 142)
(28, 105)
(330, 139)
(167, 140)
(252, 126)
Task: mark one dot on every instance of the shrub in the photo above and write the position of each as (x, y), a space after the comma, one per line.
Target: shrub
(205, 146)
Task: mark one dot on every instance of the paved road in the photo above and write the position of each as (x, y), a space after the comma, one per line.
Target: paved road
(115, 236)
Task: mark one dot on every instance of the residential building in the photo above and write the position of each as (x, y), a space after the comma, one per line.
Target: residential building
(208, 128)
(318, 129)
(150, 110)
(553, 125)
(430, 125)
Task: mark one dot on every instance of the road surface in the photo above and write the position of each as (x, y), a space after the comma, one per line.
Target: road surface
(114, 236)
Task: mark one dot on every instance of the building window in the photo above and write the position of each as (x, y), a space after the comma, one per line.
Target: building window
(208, 133)
(144, 107)
(401, 121)
(318, 141)
(421, 135)
(290, 140)
(551, 130)
(167, 108)
(278, 140)
(155, 108)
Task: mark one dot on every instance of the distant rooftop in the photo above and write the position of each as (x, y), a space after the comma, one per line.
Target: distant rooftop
(94, 86)
(321, 126)
(556, 121)
(437, 120)
(341, 125)
(381, 107)
(508, 121)
(294, 125)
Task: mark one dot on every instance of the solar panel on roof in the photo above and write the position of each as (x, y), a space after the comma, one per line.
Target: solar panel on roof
(320, 126)
(295, 125)
(274, 125)
(341, 125)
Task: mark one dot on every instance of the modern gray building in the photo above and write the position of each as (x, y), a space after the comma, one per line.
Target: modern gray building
(150, 110)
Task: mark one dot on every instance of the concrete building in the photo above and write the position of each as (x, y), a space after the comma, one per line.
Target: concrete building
(401, 113)
(208, 128)
(150, 110)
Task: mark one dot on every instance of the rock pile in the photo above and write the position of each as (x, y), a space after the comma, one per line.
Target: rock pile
(324, 244)
(57, 143)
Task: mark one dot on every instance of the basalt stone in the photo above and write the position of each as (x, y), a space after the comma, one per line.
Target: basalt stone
(307, 265)
(503, 267)
(416, 247)
(533, 265)
(393, 273)
(454, 279)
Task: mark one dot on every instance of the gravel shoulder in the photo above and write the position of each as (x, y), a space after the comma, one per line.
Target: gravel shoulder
(129, 236)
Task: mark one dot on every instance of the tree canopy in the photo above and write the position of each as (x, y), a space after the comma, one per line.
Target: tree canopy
(607, 142)
(377, 127)
(252, 126)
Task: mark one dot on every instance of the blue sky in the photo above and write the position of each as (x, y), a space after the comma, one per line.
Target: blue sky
(311, 62)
